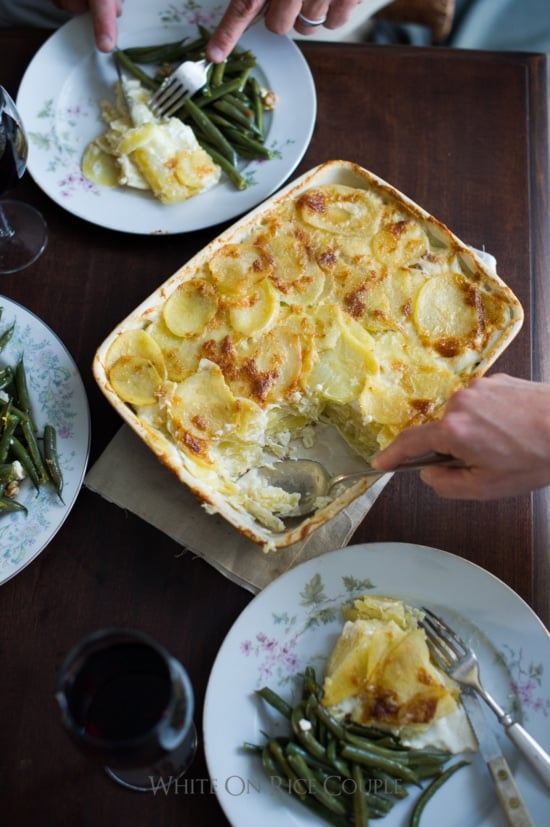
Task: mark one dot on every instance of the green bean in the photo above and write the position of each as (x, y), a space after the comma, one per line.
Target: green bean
(6, 336)
(301, 727)
(10, 423)
(337, 729)
(372, 759)
(390, 784)
(6, 377)
(360, 808)
(217, 74)
(230, 169)
(29, 433)
(128, 64)
(395, 752)
(254, 749)
(315, 787)
(237, 117)
(317, 763)
(240, 140)
(281, 759)
(217, 93)
(23, 456)
(258, 107)
(52, 459)
(269, 764)
(164, 53)
(333, 758)
(8, 505)
(210, 131)
(275, 700)
(21, 387)
(6, 473)
(311, 684)
(431, 790)
(244, 61)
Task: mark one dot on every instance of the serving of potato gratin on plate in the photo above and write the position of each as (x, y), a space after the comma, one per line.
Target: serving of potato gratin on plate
(338, 309)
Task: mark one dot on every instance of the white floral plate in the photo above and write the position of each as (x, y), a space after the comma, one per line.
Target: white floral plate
(57, 397)
(59, 100)
(295, 621)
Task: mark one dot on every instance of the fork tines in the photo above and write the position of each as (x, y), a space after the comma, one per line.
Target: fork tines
(184, 81)
(168, 97)
(444, 644)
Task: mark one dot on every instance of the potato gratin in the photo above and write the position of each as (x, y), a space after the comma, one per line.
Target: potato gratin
(339, 302)
(141, 151)
(380, 674)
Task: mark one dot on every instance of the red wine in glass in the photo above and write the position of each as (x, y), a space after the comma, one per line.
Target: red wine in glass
(23, 231)
(128, 704)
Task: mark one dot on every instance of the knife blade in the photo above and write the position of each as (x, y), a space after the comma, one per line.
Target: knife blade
(506, 789)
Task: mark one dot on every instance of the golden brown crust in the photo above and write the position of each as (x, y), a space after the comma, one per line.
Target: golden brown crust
(339, 301)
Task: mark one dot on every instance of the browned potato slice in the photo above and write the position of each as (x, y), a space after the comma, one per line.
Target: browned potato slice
(136, 380)
(254, 311)
(400, 243)
(341, 209)
(190, 307)
(237, 268)
(136, 343)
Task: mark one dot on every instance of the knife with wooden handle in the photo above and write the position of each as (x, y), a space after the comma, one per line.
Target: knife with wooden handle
(509, 796)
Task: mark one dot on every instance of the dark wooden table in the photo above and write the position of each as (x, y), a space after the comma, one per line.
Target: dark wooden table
(463, 133)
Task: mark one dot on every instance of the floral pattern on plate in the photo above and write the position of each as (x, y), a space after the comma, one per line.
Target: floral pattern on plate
(58, 397)
(295, 622)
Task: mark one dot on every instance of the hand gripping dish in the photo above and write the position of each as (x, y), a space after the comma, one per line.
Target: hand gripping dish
(321, 324)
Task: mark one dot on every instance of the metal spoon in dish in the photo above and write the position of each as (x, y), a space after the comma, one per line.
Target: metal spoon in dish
(311, 480)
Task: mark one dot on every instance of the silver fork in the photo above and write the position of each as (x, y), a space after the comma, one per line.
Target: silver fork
(184, 81)
(459, 661)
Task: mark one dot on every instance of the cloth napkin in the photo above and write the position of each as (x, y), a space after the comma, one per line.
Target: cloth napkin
(129, 475)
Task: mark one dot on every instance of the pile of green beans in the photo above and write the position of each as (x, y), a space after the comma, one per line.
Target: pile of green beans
(227, 115)
(19, 437)
(344, 772)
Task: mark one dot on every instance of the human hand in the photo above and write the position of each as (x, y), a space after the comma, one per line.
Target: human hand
(499, 426)
(104, 15)
(281, 16)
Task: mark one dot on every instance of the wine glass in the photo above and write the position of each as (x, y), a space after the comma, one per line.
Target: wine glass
(23, 231)
(128, 704)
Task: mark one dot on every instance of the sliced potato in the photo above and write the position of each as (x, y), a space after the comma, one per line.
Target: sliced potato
(400, 243)
(340, 209)
(136, 343)
(254, 311)
(237, 268)
(339, 374)
(100, 166)
(203, 404)
(298, 278)
(136, 380)
(181, 356)
(446, 312)
(190, 307)
(268, 370)
(385, 402)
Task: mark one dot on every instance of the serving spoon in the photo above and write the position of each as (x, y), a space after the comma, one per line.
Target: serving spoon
(311, 480)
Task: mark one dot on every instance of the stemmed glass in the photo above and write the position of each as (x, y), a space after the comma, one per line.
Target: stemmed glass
(128, 704)
(23, 231)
